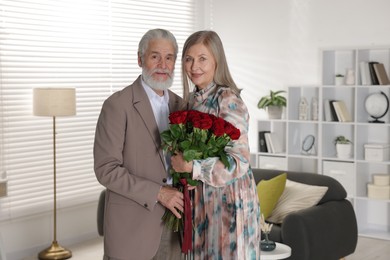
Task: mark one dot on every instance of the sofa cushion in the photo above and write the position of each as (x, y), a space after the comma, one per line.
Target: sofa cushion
(269, 192)
(335, 190)
(296, 196)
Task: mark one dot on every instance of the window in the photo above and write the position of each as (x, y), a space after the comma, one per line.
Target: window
(90, 45)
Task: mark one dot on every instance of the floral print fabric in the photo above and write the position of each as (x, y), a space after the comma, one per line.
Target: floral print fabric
(226, 208)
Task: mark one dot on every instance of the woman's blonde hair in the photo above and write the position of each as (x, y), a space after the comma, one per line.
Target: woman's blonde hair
(213, 43)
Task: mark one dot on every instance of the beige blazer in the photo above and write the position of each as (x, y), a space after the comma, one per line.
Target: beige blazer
(128, 161)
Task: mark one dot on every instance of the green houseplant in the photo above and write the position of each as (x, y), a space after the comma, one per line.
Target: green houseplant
(274, 103)
(343, 147)
(342, 140)
(339, 79)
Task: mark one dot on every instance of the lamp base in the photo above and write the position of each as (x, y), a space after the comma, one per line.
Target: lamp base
(55, 252)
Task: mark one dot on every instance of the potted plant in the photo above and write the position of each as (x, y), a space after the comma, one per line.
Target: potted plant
(339, 79)
(274, 103)
(343, 147)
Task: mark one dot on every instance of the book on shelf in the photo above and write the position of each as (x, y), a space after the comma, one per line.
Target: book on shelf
(374, 79)
(273, 143)
(333, 111)
(268, 141)
(262, 143)
(365, 75)
(381, 74)
(327, 113)
(342, 112)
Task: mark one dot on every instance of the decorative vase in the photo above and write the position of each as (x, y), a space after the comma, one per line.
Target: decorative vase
(344, 151)
(314, 109)
(274, 112)
(266, 244)
(303, 109)
(339, 80)
(350, 77)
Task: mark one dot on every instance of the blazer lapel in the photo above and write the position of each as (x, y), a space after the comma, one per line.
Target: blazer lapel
(142, 104)
(174, 102)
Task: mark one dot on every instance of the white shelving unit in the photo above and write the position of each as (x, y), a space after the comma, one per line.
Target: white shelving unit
(373, 215)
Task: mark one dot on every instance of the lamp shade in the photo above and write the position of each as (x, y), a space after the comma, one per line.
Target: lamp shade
(54, 101)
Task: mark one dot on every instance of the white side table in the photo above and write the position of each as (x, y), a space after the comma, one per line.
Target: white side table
(281, 251)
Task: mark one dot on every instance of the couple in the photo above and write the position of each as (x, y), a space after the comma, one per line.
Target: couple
(130, 163)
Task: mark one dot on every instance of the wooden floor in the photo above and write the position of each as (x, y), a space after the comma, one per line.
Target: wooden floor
(371, 249)
(367, 249)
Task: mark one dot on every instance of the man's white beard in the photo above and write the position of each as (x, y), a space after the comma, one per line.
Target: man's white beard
(154, 84)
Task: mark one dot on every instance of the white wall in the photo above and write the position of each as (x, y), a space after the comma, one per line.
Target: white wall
(272, 44)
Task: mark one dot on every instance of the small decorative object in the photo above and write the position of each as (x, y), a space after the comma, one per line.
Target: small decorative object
(339, 79)
(350, 77)
(266, 244)
(314, 109)
(343, 147)
(274, 104)
(377, 106)
(308, 146)
(303, 109)
(380, 188)
(377, 152)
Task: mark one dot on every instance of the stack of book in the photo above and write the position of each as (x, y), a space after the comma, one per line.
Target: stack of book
(336, 110)
(373, 73)
(269, 142)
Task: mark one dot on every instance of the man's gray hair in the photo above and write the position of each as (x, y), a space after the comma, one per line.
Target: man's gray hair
(152, 35)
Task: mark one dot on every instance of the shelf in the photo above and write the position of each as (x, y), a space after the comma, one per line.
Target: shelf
(373, 216)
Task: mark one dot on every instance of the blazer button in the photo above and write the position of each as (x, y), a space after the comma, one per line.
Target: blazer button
(146, 205)
(164, 180)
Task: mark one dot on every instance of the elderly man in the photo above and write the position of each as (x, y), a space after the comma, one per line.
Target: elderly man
(129, 161)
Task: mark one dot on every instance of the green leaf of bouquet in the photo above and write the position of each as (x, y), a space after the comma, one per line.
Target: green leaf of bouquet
(166, 136)
(189, 155)
(176, 131)
(185, 175)
(192, 182)
(185, 145)
(222, 142)
(175, 178)
(203, 137)
(224, 159)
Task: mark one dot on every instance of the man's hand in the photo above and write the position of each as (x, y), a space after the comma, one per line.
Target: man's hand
(172, 199)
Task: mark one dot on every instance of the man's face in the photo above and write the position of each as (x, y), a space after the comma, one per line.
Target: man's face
(158, 64)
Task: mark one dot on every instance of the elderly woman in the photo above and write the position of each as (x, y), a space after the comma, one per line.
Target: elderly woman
(226, 208)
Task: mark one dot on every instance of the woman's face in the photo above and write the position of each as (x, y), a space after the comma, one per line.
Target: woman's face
(199, 65)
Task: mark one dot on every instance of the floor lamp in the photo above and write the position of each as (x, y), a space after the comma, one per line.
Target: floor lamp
(54, 102)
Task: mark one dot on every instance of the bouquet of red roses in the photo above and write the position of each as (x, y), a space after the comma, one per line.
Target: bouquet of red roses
(197, 135)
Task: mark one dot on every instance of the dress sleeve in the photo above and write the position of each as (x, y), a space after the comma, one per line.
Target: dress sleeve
(211, 170)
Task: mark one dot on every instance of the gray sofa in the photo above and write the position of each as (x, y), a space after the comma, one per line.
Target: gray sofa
(327, 231)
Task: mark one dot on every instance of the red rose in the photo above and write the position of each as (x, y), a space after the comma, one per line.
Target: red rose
(205, 123)
(196, 122)
(193, 116)
(178, 117)
(219, 126)
(232, 131)
(212, 117)
(235, 134)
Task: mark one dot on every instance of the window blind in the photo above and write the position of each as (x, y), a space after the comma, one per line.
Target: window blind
(90, 45)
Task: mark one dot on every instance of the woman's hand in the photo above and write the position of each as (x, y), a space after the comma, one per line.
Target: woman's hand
(179, 164)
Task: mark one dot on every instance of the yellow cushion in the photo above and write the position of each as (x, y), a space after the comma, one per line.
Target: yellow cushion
(269, 192)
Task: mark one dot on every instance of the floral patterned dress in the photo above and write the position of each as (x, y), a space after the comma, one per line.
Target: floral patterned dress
(226, 207)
